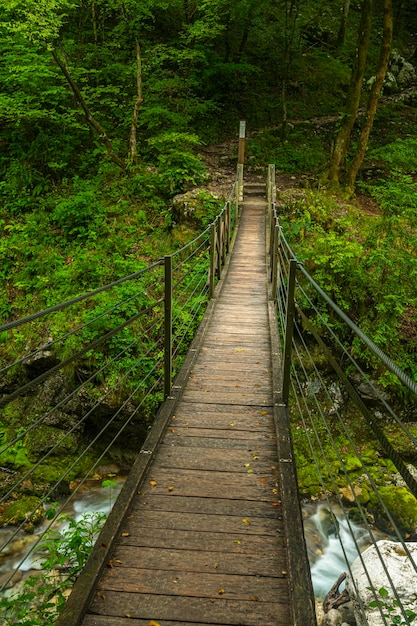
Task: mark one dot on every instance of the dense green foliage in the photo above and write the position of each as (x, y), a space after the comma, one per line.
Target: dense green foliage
(65, 553)
(73, 75)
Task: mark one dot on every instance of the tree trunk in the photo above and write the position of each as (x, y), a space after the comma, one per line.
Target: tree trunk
(374, 95)
(291, 15)
(133, 151)
(90, 119)
(342, 141)
(343, 23)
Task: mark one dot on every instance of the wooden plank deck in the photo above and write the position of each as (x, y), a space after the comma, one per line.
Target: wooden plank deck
(204, 540)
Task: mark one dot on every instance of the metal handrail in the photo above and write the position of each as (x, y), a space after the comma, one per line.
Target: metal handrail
(147, 318)
(308, 397)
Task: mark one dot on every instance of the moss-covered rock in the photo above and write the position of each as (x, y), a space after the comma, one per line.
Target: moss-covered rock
(402, 506)
(43, 438)
(27, 509)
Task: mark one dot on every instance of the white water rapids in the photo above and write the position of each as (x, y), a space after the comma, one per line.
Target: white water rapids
(333, 542)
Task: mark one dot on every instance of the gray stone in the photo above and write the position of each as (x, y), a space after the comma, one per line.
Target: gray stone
(368, 572)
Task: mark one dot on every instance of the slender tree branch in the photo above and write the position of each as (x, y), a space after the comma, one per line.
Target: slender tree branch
(374, 95)
(90, 118)
(133, 153)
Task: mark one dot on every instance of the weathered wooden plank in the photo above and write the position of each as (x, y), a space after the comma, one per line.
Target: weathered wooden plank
(197, 435)
(216, 610)
(202, 506)
(240, 526)
(232, 398)
(107, 620)
(205, 540)
(213, 484)
(205, 585)
(198, 561)
(208, 459)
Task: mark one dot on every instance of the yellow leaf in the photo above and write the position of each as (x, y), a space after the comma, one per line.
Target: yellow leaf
(264, 413)
(254, 598)
(237, 541)
(255, 457)
(247, 465)
(232, 424)
(247, 522)
(125, 535)
(128, 615)
(220, 592)
(170, 488)
(153, 483)
(153, 623)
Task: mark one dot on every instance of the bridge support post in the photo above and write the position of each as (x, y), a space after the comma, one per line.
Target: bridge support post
(228, 225)
(240, 182)
(212, 270)
(168, 327)
(270, 188)
(275, 241)
(289, 331)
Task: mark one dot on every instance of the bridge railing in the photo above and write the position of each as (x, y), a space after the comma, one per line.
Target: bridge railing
(81, 381)
(346, 432)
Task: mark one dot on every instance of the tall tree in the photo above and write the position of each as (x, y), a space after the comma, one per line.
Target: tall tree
(341, 144)
(374, 95)
(343, 24)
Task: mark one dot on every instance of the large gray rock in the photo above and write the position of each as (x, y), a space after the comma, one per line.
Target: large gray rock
(401, 571)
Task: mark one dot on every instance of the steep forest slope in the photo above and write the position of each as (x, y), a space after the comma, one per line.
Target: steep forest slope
(109, 108)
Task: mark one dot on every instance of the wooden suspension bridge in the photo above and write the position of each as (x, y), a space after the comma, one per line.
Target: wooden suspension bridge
(208, 529)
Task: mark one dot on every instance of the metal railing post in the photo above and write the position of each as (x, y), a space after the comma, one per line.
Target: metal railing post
(218, 247)
(289, 331)
(274, 260)
(168, 327)
(240, 182)
(212, 274)
(223, 235)
(228, 226)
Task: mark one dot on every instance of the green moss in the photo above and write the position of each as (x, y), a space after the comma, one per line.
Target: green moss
(403, 445)
(55, 467)
(26, 509)
(402, 506)
(43, 438)
(352, 464)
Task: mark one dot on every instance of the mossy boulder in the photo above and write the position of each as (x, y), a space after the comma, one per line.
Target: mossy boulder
(43, 439)
(196, 208)
(27, 509)
(402, 506)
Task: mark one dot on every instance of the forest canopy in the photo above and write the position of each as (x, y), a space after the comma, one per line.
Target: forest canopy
(106, 105)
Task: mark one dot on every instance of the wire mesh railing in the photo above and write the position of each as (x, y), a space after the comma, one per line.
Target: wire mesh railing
(81, 382)
(355, 448)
